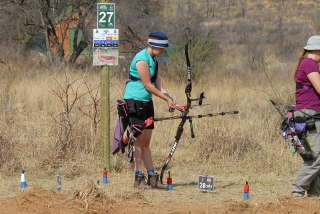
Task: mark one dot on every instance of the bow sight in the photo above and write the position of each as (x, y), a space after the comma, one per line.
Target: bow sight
(200, 99)
(184, 114)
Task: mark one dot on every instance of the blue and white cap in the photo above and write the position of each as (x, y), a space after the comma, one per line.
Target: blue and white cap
(158, 40)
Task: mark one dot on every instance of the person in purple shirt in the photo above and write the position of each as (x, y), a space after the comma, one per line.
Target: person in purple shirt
(307, 109)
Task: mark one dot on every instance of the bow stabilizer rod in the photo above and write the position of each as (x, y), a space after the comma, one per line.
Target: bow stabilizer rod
(196, 116)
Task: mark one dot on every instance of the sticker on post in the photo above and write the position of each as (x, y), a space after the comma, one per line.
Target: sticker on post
(105, 56)
(105, 47)
(105, 38)
(206, 183)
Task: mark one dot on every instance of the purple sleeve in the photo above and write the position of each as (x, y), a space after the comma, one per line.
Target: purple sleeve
(309, 66)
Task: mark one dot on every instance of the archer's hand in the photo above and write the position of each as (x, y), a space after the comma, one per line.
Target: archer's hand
(178, 107)
(170, 103)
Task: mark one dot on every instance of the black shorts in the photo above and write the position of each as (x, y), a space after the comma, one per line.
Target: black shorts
(139, 111)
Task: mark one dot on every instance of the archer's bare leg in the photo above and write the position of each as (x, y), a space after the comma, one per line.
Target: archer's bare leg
(139, 181)
(137, 155)
(147, 159)
(142, 150)
(146, 152)
(142, 143)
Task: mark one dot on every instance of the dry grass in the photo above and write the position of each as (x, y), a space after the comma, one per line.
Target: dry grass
(32, 129)
(50, 120)
(49, 123)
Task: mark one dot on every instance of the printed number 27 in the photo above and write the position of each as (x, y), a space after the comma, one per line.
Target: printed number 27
(103, 16)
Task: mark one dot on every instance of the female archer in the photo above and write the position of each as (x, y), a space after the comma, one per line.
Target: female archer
(307, 109)
(145, 81)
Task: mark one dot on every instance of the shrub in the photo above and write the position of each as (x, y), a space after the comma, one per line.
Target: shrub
(203, 54)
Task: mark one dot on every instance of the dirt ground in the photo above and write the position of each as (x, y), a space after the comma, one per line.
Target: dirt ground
(269, 194)
(39, 201)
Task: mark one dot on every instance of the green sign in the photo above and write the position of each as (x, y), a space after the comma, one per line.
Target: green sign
(106, 15)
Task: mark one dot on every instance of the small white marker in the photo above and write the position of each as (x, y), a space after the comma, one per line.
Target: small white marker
(23, 182)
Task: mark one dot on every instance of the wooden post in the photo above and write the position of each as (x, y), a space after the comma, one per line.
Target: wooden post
(105, 113)
(105, 116)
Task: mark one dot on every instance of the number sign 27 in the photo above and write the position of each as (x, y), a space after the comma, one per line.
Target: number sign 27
(106, 16)
(103, 16)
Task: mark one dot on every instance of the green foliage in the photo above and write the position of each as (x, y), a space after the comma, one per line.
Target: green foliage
(204, 53)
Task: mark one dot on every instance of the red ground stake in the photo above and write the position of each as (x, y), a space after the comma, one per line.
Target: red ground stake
(105, 176)
(246, 191)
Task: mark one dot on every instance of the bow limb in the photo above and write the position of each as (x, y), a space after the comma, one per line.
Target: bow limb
(188, 88)
(184, 115)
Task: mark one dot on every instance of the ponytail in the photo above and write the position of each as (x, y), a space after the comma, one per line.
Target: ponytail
(300, 59)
